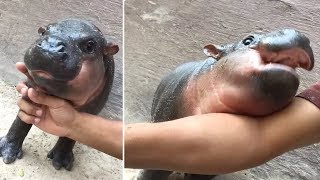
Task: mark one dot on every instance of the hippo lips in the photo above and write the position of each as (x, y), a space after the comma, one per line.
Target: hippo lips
(274, 66)
(58, 76)
(293, 58)
(41, 74)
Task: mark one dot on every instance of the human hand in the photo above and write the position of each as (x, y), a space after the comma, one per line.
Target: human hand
(51, 114)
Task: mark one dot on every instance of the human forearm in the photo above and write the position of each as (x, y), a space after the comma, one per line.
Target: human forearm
(101, 134)
(221, 143)
(296, 126)
(206, 144)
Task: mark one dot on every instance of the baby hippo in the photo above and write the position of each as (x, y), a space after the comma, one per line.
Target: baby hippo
(71, 60)
(255, 76)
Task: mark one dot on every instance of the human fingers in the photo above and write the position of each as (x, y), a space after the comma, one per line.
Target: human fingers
(27, 118)
(22, 68)
(29, 108)
(41, 98)
(20, 86)
(22, 89)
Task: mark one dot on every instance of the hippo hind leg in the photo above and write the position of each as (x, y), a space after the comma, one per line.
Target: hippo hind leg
(61, 154)
(198, 177)
(154, 175)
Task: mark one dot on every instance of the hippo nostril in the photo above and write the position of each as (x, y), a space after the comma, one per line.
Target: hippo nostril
(60, 43)
(61, 49)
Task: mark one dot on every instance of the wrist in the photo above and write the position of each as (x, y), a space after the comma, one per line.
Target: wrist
(99, 133)
(73, 124)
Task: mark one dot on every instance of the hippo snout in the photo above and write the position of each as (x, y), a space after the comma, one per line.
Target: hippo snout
(50, 56)
(288, 47)
(285, 38)
(53, 46)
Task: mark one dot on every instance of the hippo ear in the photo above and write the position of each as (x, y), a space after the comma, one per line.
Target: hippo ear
(213, 51)
(41, 30)
(111, 49)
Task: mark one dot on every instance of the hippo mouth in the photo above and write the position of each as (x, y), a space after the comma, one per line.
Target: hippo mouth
(290, 58)
(56, 76)
(41, 74)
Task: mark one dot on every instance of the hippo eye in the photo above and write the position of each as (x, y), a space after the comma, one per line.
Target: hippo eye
(89, 46)
(247, 41)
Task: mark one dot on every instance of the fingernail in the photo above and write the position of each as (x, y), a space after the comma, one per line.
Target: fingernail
(36, 120)
(39, 112)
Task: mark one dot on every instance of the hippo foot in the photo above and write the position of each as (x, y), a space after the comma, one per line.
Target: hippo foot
(61, 159)
(9, 150)
(198, 177)
(154, 175)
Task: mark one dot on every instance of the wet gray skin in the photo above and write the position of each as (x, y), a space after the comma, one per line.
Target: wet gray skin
(71, 60)
(255, 76)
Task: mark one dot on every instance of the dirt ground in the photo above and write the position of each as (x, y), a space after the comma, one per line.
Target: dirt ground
(19, 22)
(160, 34)
(88, 164)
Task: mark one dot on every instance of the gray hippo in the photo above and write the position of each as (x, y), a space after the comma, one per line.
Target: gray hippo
(255, 76)
(71, 60)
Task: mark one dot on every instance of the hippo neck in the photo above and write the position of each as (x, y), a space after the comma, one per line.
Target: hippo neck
(94, 105)
(202, 93)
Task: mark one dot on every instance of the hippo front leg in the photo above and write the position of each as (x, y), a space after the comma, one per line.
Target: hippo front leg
(198, 177)
(61, 154)
(11, 144)
(150, 174)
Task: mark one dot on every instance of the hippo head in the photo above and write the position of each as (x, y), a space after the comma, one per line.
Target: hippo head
(69, 56)
(259, 71)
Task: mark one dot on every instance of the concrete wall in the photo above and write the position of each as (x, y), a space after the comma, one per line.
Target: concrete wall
(160, 34)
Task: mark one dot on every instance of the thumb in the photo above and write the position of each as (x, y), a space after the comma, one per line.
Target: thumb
(41, 98)
(22, 68)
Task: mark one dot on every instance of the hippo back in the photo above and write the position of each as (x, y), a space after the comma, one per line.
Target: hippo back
(167, 98)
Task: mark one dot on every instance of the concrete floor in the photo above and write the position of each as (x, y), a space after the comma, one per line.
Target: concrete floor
(19, 22)
(160, 34)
